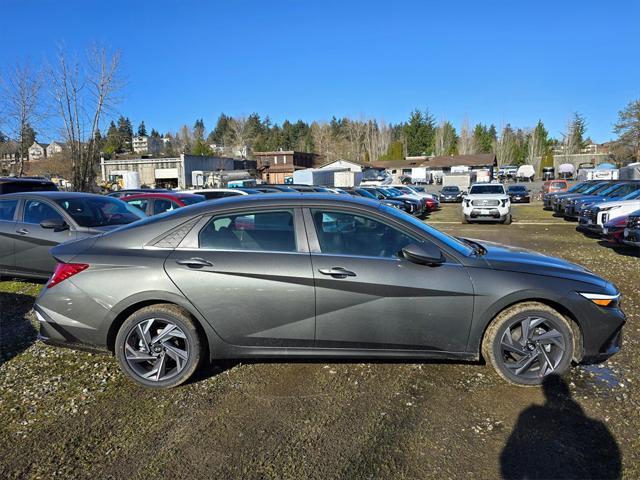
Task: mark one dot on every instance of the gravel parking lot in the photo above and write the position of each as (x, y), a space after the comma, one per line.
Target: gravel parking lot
(73, 414)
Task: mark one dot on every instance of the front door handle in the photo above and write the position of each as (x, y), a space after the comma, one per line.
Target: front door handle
(23, 231)
(337, 272)
(194, 262)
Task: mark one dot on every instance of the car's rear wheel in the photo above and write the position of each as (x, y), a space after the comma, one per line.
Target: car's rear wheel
(507, 220)
(465, 219)
(159, 346)
(527, 342)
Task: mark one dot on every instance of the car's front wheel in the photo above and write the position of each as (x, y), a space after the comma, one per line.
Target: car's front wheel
(159, 346)
(527, 342)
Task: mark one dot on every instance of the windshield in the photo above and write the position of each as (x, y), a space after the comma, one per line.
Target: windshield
(614, 188)
(596, 188)
(372, 174)
(389, 192)
(100, 211)
(365, 193)
(632, 195)
(450, 241)
(191, 200)
(450, 189)
(517, 188)
(490, 189)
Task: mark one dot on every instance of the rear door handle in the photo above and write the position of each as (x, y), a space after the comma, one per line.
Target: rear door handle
(194, 263)
(337, 272)
(23, 231)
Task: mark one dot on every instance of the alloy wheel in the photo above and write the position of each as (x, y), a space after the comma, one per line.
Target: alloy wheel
(532, 347)
(156, 349)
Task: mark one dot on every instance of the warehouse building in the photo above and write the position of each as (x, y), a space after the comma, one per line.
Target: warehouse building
(174, 172)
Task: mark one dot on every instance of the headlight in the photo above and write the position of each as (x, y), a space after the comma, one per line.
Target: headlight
(602, 299)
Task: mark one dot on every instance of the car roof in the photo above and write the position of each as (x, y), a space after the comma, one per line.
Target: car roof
(278, 199)
(24, 180)
(54, 195)
(167, 195)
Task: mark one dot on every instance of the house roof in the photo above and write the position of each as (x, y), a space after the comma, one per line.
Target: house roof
(285, 152)
(40, 144)
(353, 162)
(476, 160)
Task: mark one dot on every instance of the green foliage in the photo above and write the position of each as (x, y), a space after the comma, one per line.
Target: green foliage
(28, 135)
(394, 152)
(485, 138)
(142, 130)
(419, 133)
(628, 130)
(125, 133)
(198, 132)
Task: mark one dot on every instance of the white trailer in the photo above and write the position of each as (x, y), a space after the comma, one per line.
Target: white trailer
(346, 178)
(460, 180)
(314, 176)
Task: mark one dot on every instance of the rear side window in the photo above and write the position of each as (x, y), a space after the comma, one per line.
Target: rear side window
(341, 233)
(139, 203)
(35, 211)
(8, 209)
(260, 231)
(162, 205)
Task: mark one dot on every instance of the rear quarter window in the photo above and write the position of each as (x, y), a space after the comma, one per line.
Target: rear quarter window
(8, 209)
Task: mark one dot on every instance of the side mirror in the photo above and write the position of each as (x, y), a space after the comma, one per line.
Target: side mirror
(424, 254)
(56, 224)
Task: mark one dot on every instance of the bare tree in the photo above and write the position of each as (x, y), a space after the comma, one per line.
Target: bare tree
(241, 135)
(321, 134)
(84, 94)
(22, 106)
(377, 138)
(535, 149)
(445, 140)
(505, 146)
(465, 140)
(355, 134)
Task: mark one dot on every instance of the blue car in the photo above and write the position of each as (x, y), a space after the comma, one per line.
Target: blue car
(614, 192)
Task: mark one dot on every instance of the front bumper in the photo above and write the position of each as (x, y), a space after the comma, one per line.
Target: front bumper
(631, 237)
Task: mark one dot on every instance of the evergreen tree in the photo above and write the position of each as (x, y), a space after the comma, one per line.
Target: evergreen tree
(198, 130)
(154, 133)
(419, 133)
(125, 131)
(113, 143)
(142, 130)
(394, 152)
(28, 135)
(484, 138)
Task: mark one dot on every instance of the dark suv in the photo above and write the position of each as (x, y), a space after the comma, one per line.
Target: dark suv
(16, 185)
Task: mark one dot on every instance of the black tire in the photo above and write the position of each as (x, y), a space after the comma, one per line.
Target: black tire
(507, 220)
(493, 350)
(465, 219)
(190, 342)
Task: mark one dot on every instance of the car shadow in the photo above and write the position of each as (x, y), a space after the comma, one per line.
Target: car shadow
(625, 250)
(557, 440)
(17, 333)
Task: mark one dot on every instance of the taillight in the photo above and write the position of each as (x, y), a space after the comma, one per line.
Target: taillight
(64, 271)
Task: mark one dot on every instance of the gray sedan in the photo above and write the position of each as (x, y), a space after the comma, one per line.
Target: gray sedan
(320, 275)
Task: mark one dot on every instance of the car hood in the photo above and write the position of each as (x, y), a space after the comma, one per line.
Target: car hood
(499, 196)
(620, 203)
(515, 259)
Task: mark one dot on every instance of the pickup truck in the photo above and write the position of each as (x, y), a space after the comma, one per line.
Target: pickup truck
(487, 202)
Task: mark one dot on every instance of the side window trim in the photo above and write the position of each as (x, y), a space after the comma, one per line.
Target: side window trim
(314, 243)
(23, 214)
(191, 240)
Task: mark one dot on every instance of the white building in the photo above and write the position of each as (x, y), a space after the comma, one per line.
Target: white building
(146, 144)
(54, 148)
(37, 151)
(341, 164)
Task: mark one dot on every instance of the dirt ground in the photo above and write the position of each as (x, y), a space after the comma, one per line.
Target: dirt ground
(74, 415)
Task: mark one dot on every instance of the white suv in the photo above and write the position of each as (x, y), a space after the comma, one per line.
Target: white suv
(486, 202)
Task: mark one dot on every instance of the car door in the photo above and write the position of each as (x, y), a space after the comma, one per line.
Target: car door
(369, 297)
(33, 242)
(8, 209)
(249, 274)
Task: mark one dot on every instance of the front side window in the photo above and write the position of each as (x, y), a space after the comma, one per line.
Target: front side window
(8, 209)
(35, 211)
(258, 231)
(341, 233)
(97, 211)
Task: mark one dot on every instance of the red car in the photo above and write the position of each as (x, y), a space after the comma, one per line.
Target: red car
(613, 230)
(155, 203)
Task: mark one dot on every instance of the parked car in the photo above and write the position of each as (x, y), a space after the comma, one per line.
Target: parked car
(613, 230)
(157, 203)
(594, 217)
(31, 223)
(631, 233)
(550, 199)
(519, 194)
(21, 184)
(244, 283)
(215, 193)
(416, 206)
(561, 201)
(134, 191)
(487, 202)
(414, 190)
(451, 193)
(362, 192)
(616, 191)
(555, 186)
